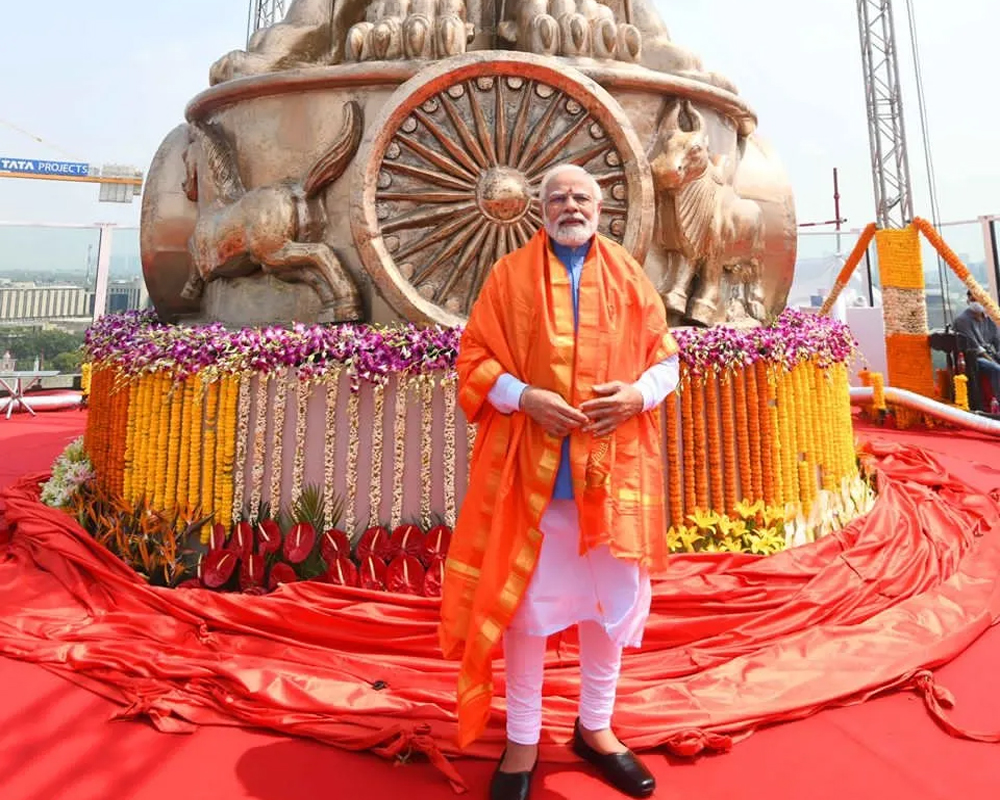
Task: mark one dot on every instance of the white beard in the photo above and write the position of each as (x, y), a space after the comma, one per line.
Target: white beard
(571, 233)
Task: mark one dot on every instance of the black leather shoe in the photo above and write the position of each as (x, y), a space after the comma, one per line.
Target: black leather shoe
(511, 785)
(624, 771)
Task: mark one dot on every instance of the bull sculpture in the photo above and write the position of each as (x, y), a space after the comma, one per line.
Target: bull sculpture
(277, 229)
(705, 227)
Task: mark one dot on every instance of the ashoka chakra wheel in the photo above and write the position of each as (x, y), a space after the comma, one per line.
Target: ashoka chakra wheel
(448, 175)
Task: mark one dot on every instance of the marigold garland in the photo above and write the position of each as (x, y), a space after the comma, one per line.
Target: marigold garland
(185, 392)
(242, 447)
(730, 467)
(450, 400)
(716, 468)
(209, 441)
(426, 451)
(330, 445)
(226, 450)
(135, 386)
(353, 424)
(700, 455)
(398, 450)
(276, 473)
(687, 434)
(259, 434)
(176, 394)
(375, 490)
(770, 448)
(675, 480)
(302, 391)
(747, 477)
(163, 404)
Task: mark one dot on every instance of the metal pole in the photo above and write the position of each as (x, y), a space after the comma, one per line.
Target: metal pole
(103, 271)
(836, 207)
(868, 269)
(993, 255)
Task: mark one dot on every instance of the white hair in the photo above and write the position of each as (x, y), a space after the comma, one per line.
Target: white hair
(559, 169)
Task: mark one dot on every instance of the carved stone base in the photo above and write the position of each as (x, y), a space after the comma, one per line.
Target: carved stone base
(258, 300)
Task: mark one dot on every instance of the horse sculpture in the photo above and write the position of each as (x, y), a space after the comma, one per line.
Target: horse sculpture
(706, 228)
(277, 229)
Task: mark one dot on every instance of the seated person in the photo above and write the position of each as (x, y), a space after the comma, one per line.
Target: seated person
(978, 335)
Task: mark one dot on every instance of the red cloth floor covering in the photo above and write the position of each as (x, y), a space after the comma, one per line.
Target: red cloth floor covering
(734, 641)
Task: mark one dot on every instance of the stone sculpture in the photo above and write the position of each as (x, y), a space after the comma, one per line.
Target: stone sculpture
(276, 228)
(704, 225)
(465, 104)
(324, 32)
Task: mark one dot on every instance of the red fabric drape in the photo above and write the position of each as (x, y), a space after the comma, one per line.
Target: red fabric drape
(733, 642)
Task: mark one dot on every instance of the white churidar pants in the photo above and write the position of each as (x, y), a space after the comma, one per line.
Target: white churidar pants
(607, 598)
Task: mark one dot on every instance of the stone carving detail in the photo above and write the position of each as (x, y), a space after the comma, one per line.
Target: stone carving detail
(277, 229)
(571, 28)
(706, 228)
(325, 32)
(456, 180)
(410, 29)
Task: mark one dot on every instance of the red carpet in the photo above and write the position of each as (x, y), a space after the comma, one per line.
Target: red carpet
(58, 744)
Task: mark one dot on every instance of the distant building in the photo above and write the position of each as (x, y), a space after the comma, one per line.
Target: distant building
(127, 296)
(24, 302)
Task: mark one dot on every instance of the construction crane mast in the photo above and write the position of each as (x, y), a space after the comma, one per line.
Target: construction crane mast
(263, 14)
(886, 129)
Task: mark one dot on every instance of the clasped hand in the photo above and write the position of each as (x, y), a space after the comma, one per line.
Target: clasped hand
(615, 403)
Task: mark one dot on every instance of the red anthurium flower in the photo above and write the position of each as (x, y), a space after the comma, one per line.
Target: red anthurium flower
(342, 572)
(280, 573)
(408, 540)
(374, 542)
(434, 579)
(299, 542)
(217, 567)
(437, 542)
(252, 571)
(241, 542)
(257, 590)
(218, 538)
(268, 537)
(405, 576)
(371, 574)
(191, 583)
(333, 544)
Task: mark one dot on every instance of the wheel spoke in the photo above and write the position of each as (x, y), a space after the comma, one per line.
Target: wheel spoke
(580, 157)
(482, 129)
(487, 257)
(424, 197)
(500, 122)
(444, 255)
(549, 154)
(457, 272)
(471, 145)
(448, 143)
(432, 156)
(428, 176)
(442, 233)
(520, 125)
(425, 217)
(538, 131)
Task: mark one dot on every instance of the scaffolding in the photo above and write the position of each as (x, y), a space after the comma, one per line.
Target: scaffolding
(263, 14)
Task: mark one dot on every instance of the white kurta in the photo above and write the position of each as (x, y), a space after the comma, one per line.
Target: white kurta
(567, 588)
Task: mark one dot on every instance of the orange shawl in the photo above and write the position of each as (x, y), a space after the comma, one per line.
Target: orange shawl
(522, 323)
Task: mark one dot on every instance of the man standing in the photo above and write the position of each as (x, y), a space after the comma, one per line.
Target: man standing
(978, 335)
(564, 360)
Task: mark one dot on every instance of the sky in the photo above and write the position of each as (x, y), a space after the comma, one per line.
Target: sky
(104, 82)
